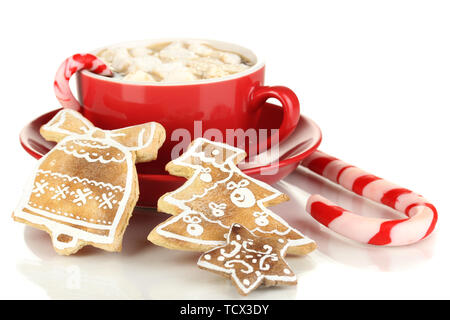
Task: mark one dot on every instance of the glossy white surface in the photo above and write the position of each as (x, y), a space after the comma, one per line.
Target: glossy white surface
(374, 76)
(145, 271)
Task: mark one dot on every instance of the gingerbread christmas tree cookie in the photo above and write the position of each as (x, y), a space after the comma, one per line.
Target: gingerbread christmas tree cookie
(216, 195)
(84, 190)
(249, 260)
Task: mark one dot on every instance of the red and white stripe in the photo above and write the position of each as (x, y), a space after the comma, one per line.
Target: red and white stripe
(71, 65)
(421, 215)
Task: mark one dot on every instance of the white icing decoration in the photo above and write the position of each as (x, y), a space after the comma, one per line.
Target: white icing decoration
(217, 209)
(106, 203)
(231, 263)
(39, 187)
(192, 219)
(258, 264)
(91, 144)
(79, 180)
(82, 154)
(205, 177)
(60, 192)
(261, 218)
(229, 167)
(236, 249)
(259, 253)
(55, 126)
(52, 220)
(266, 266)
(81, 195)
(194, 229)
(241, 197)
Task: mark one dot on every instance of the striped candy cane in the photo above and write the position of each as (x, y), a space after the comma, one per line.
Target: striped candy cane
(70, 66)
(421, 214)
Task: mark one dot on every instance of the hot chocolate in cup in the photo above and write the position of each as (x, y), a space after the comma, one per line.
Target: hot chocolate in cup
(225, 108)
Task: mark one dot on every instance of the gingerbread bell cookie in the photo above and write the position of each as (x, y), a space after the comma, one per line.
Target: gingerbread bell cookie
(84, 190)
(215, 196)
(250, 261)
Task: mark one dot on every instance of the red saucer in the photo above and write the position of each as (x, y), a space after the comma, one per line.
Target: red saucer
(302, 142)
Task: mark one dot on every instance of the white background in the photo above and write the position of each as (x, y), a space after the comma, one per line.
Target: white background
(375, 75)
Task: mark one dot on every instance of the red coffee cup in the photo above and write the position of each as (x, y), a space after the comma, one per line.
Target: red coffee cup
(231, 102)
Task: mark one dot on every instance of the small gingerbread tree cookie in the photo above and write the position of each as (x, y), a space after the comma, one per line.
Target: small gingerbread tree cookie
(84, 190)
(249, 260)
(216, 195)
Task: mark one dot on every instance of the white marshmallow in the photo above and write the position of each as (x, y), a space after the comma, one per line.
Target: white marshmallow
(200, 49)
(215, 71)
(228, 57)
(121, 61)
(107, 55)
(140, 51)
(235, 68)
(164, 69)
(176, 51)
(177, 61)
(146, 63)
(179, 75)
(207, 67)
(139, 76)
(173, 71)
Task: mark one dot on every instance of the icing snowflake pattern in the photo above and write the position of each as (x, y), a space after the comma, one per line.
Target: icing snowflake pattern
(51, 187)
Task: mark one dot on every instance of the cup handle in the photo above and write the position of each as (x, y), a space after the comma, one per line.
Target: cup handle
(71, 65)
(291, 111)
